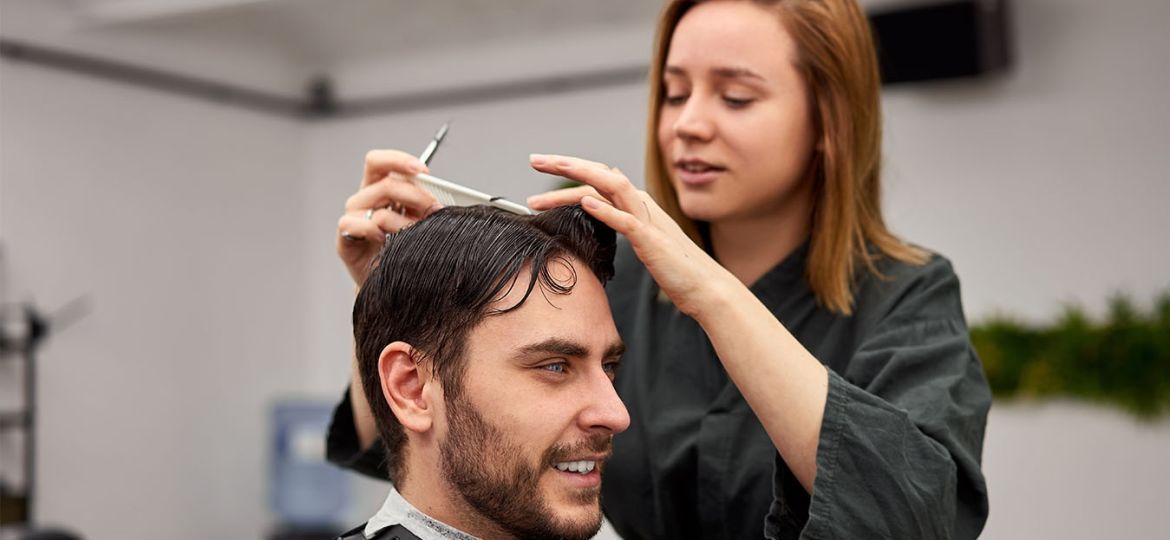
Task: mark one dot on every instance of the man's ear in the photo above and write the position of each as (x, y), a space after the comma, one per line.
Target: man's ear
(403, 382)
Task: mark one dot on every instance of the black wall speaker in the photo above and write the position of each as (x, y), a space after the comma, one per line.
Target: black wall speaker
(942, 40)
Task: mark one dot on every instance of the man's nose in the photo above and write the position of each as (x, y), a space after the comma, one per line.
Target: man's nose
(603, 409)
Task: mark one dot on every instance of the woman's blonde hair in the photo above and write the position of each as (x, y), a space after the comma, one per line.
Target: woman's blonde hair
(839, 64)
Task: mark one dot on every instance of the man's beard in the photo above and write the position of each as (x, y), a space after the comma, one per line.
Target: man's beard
(492, 476)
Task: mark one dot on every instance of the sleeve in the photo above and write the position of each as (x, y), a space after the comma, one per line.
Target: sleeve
(341, 445)
(902, 436)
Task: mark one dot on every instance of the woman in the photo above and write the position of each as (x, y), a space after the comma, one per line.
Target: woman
(793, 369)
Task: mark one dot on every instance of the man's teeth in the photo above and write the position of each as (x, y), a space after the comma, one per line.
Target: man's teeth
(582, 467)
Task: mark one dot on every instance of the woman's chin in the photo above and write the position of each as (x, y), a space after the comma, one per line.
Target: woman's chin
(700, 210)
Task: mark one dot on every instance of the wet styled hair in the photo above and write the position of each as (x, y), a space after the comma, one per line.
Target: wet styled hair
(434, 281)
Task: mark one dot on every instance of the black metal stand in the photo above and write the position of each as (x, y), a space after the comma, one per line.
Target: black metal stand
(18, 505)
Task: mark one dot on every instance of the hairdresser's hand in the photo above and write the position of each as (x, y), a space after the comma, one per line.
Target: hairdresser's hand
(395, 200)
(683, 271)
(560, 197)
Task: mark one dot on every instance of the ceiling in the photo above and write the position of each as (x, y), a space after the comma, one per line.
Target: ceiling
(326, 32)
(278, 45)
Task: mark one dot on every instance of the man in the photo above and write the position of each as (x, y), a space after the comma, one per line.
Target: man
(487, 352)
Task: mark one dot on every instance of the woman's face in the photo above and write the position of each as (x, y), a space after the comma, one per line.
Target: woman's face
(735, 129)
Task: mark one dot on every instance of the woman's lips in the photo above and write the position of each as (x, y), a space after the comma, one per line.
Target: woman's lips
(697, 178)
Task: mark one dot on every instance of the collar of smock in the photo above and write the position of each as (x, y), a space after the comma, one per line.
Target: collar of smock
(788, 270)
(397, 511)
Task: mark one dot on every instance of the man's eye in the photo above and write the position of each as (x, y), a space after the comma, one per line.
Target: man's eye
(611, 368)
(555, 368)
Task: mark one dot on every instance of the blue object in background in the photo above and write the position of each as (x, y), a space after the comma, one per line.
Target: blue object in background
(306, 490)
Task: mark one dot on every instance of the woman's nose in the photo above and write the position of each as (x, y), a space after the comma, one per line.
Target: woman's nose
(694, 122)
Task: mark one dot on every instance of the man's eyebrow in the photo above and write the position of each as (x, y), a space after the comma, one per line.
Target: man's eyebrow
(568, 348)
(559, 346)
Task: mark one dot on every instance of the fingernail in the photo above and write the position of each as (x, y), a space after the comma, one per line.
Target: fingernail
(537, 159)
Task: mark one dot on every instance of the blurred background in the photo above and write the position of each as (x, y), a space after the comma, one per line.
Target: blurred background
(171, 174)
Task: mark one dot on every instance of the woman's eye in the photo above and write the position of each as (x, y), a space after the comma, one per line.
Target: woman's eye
(677, 99)
(737, 103)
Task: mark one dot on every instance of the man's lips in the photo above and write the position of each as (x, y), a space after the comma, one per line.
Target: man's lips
(581, 470)
(580, 473)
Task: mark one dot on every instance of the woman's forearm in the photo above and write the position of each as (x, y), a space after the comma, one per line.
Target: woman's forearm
(783, 383)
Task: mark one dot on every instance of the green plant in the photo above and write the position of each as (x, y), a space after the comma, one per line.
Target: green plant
(1123, 360)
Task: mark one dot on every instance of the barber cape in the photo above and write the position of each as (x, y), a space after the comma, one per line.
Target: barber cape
(399, 520)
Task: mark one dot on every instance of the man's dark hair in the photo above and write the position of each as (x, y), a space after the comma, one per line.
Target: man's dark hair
(434, 281)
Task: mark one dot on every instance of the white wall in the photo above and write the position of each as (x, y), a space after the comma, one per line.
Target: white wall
(244, 60)
(179, 222)
(1048, 185)
(1075, 471)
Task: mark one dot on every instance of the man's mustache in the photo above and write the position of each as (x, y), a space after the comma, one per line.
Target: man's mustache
(589, 447)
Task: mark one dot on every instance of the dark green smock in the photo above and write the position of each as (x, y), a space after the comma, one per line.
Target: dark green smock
(900, 445)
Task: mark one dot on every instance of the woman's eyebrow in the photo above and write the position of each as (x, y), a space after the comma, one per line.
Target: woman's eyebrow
(736, 73)
(723, 72)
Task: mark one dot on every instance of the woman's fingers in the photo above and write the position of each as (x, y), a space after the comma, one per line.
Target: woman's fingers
(608, 181)
(389, 221)
(618, 220)
(679, 266)
(380, 163)
(353, 228)
(561, 197)
(395, 193)
(358, 240)
(362, 230)
(372, 226)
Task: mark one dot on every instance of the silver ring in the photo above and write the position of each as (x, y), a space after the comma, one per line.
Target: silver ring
(369, 214)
